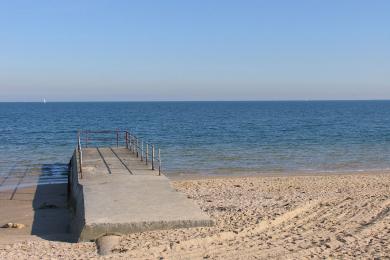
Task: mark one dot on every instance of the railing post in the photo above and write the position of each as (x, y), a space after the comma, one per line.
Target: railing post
(159, 162)
(86, 139)
(147, 153)
(137, 146)
(152, 156)
(117, 138)
(142, 150)
(130, 147)
(80, 154)
(126, 137)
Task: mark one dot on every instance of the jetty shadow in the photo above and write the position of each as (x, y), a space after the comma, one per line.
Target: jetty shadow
(50, 204)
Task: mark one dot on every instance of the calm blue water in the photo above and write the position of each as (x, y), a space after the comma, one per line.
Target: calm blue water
(209, 137)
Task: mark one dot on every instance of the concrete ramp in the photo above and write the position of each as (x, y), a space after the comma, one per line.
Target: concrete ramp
(119, 194)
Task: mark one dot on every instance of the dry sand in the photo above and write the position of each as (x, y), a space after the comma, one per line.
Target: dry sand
(292, 217)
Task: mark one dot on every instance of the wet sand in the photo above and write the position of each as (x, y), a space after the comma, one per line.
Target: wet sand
(290, 217)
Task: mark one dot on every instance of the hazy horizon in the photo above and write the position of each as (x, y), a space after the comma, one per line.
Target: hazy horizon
(157, 101)
(194, 50)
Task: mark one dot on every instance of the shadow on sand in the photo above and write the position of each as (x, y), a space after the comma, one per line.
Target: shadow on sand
(51, 212)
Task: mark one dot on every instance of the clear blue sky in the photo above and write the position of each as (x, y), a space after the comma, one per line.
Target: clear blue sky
(194, 50)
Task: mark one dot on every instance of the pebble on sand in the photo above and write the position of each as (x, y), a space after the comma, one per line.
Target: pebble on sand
(13, 225)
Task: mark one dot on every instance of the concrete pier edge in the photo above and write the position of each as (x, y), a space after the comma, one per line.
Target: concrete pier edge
(123, 203)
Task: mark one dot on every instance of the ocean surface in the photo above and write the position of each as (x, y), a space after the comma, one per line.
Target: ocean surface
(206, 137)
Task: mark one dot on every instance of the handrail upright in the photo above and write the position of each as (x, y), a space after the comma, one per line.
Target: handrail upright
(159, 162)
(130, 144)
(129, 140)
(126, 139)
(152, 156)
(137, 147)
(80, 155)
(142, 150)
(147, 153)
(117, 138)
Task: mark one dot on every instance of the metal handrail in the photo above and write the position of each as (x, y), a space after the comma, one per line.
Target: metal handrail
(136, 145)
(86, 136)
(80, 151)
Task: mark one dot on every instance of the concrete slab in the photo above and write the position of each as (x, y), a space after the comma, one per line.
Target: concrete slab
(113, 163)
(93, 163)
(133, 198)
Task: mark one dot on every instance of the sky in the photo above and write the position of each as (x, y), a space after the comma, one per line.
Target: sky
(194, 50)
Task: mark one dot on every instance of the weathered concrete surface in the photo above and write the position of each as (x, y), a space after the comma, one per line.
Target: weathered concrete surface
(106, 244)
(119, 194)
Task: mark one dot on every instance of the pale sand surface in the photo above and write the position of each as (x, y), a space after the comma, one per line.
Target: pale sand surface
(292, 217)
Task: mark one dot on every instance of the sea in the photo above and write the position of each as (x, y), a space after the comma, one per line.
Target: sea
(206, 138)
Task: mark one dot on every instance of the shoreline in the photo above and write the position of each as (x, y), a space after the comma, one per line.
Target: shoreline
(185, 175)
(195, 176)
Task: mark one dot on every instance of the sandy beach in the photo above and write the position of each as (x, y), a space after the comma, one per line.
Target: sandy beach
(287, 217)
(194, 130)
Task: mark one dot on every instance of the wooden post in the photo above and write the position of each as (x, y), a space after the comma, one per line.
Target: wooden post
(127, 145)
(152, 156)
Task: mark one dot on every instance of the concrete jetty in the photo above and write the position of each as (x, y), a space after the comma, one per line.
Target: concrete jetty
(113, 192)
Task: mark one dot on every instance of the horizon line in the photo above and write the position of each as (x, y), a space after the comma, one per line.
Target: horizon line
(161, 101)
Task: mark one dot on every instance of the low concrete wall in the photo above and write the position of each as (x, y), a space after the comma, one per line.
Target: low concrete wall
(76, 196)
(102, 229)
